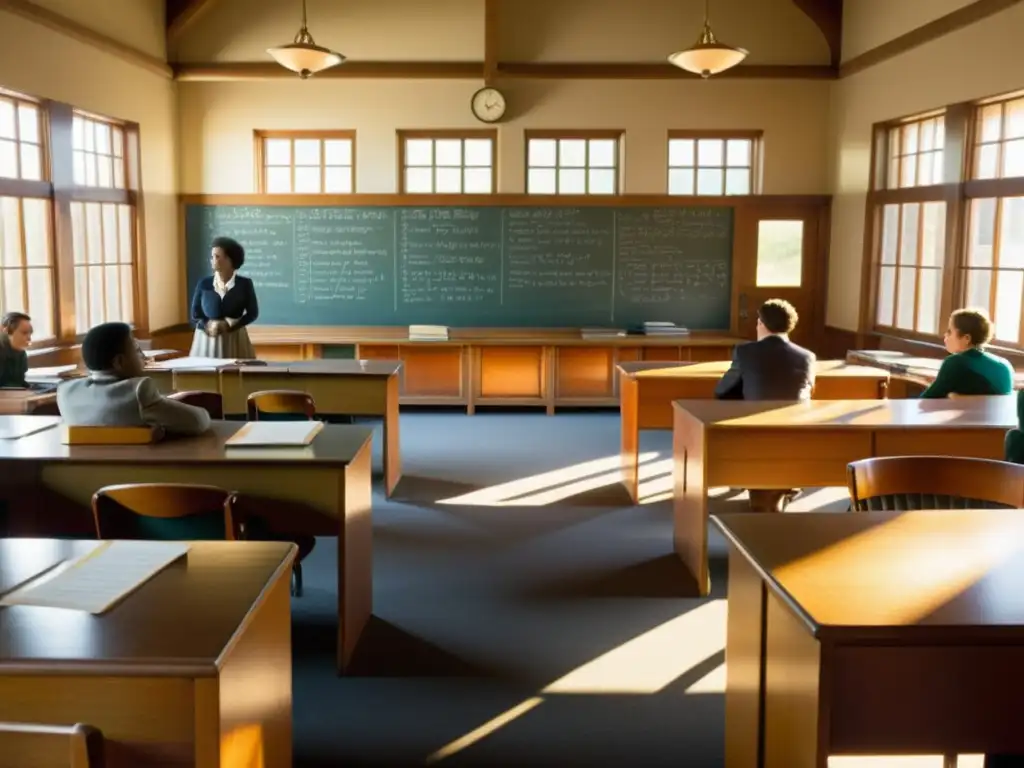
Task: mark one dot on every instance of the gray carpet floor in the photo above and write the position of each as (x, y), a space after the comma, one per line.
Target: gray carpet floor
(525, 612)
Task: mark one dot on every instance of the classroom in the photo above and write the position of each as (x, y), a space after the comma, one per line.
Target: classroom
(511, 382)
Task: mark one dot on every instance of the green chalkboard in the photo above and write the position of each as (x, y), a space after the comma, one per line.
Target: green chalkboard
(530, 266)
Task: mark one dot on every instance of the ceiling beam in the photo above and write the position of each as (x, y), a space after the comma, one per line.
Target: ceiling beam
(828, 16)
(492, 39)
(181, 14)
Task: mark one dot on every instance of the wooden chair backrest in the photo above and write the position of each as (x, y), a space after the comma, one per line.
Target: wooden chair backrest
(204, 508)
(934, 482)
(24, 745)
(279, 402)
(211, 402)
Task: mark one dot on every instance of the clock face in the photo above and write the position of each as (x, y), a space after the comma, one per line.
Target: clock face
(488, 105)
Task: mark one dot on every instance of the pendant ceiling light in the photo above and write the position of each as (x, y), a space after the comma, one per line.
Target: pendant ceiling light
(708, 57)
(304, 55)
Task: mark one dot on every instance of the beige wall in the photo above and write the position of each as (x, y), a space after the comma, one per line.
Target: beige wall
(44, 63)
(138, 23)
(977, 61)
(868, 24)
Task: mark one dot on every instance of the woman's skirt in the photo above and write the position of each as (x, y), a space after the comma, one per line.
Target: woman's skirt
(234, 345)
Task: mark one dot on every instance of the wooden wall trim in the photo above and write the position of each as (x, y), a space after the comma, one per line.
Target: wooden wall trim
(477, 70)
(828, 17)
(83, 34)
(394, 334)
(933, 30)
(576, 201)
(181, 14)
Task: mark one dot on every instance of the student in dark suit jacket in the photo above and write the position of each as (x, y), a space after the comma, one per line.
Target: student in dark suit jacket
(771, 368)
(223, 305)
(15, 338)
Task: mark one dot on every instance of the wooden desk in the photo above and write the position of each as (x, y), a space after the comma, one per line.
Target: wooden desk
(877, 633)
(13, 401)
(324, 490)
(647, 390)
(192, 669)
(910, 375)
(775, 444)
(351, 387)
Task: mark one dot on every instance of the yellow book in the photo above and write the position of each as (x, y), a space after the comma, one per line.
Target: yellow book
(90, 435)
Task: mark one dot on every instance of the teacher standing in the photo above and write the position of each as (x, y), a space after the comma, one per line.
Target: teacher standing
(223, 305)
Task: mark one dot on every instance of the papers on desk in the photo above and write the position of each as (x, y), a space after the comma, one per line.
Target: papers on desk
(186, 363)
(275, 434)
(22, 426)
(97, 581)
(53, 372)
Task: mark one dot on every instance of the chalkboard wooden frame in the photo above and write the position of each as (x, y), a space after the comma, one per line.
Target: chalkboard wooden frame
(743, 205)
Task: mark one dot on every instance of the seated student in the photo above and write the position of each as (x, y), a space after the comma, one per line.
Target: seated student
(116, 392)
(771, 368)
(969, 369)
(1015, 437)
(14, 342)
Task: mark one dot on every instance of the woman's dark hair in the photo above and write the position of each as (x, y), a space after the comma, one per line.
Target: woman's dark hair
(973, 323)
(232, 249)
(103, 343)
(12, 320)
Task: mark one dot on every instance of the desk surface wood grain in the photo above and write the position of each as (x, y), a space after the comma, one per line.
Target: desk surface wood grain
(660, 370)
(184, 618)
(997, 412)
(940, 574)
(336, 444)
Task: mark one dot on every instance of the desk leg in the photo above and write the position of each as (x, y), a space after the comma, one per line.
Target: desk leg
(355, 556)
(744, 664)
(630, 439)
(690, 499)
(392, 453)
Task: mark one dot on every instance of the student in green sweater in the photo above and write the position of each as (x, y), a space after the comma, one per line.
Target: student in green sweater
(15, 337)
(969, 369)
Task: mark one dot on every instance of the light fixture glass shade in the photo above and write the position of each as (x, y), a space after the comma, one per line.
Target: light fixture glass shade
(305, 58)
(708, 57)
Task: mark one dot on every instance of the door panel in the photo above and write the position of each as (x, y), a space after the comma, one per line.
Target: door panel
(778, 253)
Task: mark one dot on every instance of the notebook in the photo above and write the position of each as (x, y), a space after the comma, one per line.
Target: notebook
(272, 434)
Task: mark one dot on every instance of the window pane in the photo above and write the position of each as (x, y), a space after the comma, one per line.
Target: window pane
(543, 153)
(119, 172)
(419, 180)
(924, 169)
(81, 300)
(780, 248)
(78, 243)
(1013, 158)
(127, 293)
(602, 181)
(93, 234)
(982, 235)
(36, 218)
(680, 152)
(110, 229)
(307, 152)
(31, 162)
(927, 137)
(737, 181)
(572, 153)
(117, 142)
(541, 181)
(277, 151)
(572, 181)
(991, 122)
(602, 153)
(78, 167)
(77, 132)
(886, 295)
(448, 152)
(1011, 233)
(933, 243)
(338, 180)
(307, 180)
(97, 312)
(738, 152)
(103, 139)
(908, 245)
(909, 139)
(28, 123)
(929, 299)
(988, 162)
(1009, 284)
(478, 152)
(938, 172)
(710, 181)
(908, 171)
(7, 119)
(419, 152)
(105, 171)
(890, 233)
(88, 135)
(111, 289)
(8, 159)
(279, 180)
(680, 181)
(14, 290)
(1014, 126)
(90, 170)
(338, 152)
(905, 301)
(893, 179)
(710, 152)
(40, 302)
(448, 181)
(124, 234)
(10, 229)
(477, 181)
(979, 286)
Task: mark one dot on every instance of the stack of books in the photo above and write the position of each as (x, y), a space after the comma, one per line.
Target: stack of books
(428, 333)
(601, 333)
(664, 329)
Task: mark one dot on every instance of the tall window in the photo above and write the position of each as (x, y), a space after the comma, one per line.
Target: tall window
(577, 163)
(712, 163)
(910, 227)
(994, 264)
(102, 223)
(26, 253)
(447, 162)
(305, 162)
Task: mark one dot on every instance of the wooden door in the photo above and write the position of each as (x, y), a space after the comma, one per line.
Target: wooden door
(779, 252)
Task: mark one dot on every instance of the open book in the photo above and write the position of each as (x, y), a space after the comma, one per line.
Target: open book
(273, 434)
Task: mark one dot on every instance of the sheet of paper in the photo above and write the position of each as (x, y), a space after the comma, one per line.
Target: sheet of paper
(15, 427)
(271, 434)
(98, 580)
(186, 363)
(53, 372)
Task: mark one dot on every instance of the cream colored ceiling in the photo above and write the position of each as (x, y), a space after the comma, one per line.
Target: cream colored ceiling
(138, 23)
(868, 24)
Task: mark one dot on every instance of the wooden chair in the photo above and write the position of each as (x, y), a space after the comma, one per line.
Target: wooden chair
(165, 512)
(280, 405)
(24, 745)
(211, 402)
(897, 483)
